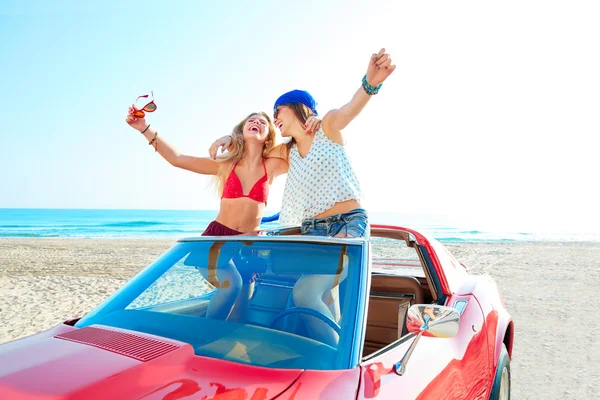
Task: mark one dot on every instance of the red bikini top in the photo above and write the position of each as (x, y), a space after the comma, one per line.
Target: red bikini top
(233, 187)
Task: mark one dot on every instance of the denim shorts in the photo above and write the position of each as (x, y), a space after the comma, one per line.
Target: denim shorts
(353, 223)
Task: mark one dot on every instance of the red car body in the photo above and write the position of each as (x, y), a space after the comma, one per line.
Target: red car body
(100, 362)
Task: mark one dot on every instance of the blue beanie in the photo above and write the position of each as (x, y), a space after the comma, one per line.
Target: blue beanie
(297, 96)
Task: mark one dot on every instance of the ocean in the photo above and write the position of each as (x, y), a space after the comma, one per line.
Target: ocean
(93, 223)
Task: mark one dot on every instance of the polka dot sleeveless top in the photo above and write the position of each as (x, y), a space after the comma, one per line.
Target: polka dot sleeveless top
(317, 181)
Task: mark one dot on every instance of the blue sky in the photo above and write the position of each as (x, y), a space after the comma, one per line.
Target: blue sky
(492, 114)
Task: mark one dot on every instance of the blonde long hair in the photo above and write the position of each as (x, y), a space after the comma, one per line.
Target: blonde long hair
(237, 149)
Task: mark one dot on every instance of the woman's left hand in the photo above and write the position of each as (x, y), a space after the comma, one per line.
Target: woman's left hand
(380, 67)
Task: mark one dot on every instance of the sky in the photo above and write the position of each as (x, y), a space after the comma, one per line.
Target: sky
(492, 115)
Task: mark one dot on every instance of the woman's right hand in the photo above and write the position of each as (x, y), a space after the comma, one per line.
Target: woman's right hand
(223, 142)
(138, 124)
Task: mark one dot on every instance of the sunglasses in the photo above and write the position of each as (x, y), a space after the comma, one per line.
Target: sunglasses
(150, 107)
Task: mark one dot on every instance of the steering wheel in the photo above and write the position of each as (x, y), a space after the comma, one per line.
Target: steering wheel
(301, 310)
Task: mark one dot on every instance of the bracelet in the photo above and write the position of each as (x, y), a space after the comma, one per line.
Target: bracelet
(144, 131)
(368, 88)
(154, 139)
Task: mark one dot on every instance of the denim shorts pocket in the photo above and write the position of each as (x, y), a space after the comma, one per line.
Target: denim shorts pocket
(356, 227)
(352, 224)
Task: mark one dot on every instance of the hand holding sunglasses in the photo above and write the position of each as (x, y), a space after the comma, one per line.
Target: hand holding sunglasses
(149, 107)
(135, 117)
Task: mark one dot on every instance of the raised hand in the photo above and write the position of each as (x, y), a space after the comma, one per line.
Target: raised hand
(380, 67)
(136, 123)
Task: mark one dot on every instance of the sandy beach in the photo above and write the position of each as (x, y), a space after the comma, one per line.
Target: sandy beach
(548, 288)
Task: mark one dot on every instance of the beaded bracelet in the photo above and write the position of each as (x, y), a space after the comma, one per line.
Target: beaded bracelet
(155, 139)
(368, 88)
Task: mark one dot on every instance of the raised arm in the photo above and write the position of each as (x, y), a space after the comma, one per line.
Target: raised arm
(205, 166)
(380, 67)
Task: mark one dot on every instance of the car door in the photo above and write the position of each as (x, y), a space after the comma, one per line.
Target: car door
(453, 368)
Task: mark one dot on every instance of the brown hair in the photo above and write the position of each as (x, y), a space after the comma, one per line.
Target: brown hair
(301, 112)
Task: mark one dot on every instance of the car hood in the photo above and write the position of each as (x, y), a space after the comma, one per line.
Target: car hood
(100, 362)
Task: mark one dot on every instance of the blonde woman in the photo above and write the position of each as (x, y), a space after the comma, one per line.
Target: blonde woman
(244, 175)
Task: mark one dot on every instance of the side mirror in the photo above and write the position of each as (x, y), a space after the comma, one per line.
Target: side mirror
(433, 321)
(428, 320)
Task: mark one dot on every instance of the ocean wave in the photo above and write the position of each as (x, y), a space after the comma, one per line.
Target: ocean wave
(28, 235)
(133, 224)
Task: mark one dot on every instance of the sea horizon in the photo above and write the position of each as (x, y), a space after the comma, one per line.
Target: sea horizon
(154, 223)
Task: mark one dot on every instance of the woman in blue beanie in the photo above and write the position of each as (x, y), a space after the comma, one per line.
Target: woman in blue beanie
(322, 193)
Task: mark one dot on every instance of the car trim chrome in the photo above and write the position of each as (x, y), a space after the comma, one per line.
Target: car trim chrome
(388, 347)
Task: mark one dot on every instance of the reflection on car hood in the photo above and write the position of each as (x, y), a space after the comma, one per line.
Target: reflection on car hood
(110, 363)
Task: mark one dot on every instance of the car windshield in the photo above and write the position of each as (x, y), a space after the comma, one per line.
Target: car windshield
(274, 303)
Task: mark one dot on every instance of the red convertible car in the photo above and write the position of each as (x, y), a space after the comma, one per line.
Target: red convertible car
(246, 317)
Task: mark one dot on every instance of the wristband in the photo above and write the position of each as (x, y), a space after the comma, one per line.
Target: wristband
(371, 90)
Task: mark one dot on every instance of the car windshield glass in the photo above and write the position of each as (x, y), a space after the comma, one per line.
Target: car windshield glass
(275, 303)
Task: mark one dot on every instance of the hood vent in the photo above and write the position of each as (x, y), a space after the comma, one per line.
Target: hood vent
(137, 347)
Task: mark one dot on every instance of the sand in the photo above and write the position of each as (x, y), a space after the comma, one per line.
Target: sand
(549, 288)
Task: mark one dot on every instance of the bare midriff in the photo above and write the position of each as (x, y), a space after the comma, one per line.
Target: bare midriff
(340, 208)
(242, 214)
